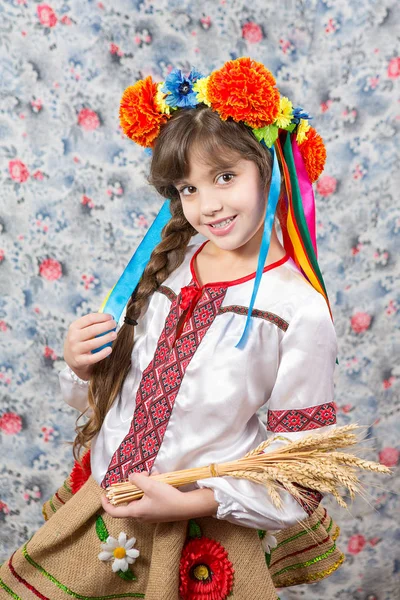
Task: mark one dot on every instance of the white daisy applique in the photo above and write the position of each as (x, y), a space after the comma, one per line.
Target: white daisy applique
(120, 551)
(269, 541)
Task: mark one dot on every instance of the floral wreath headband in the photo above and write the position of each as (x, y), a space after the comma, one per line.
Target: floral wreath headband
(242, 89)
(246, 91)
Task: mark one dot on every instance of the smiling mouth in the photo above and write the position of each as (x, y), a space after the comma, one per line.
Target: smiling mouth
(222, 224)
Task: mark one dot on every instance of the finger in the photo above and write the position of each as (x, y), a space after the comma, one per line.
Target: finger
(96, 342)
(90, 332)
(141, 481)
(118, 511)
(92, 358)
(91, 319)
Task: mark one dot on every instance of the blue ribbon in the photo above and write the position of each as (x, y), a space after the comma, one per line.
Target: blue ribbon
(273, 197)
(129, 279)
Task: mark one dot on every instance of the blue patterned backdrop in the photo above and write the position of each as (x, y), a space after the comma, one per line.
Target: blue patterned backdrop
(75, 203)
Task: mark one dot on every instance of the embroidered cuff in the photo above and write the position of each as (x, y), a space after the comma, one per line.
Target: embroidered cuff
(77, 379)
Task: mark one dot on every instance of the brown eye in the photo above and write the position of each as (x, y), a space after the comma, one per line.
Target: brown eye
(227, 175)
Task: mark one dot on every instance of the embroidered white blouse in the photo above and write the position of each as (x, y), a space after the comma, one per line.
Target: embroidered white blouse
(287, 364)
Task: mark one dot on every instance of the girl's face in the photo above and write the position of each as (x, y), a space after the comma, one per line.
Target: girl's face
(235, 194)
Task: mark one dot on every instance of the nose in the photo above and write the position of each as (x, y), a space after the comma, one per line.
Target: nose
(210, 204)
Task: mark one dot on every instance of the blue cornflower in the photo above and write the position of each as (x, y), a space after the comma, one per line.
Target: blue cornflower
(181, 88)
(299, 114)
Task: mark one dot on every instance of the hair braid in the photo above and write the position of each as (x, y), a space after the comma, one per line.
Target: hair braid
(108, 375)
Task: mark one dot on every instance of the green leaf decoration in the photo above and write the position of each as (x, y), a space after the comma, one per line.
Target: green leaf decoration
(269, 134)
(261, 533)
(101, 529)
(194, 529)
(291, 127)
(127, 575)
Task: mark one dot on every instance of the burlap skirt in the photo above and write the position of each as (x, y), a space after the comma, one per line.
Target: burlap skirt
(201, 558)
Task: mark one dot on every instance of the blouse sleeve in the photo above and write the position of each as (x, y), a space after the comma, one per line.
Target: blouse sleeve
(74, 391)
(301, 403)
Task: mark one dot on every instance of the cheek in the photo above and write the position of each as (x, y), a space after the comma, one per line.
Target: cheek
(190, 213)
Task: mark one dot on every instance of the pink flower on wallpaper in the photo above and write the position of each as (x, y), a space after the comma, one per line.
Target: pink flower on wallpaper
(326, 185)
(114, 49)
(252, 32)
(2, 254)
(356, 544)
(49, 353)
(394, 68)
(4, 508)
(360, 322)
(389, 457)
(46, 15)
(10, 423)
(18, 171)
(50, 269)
(66, 20)
(88, 119)
(87, 201)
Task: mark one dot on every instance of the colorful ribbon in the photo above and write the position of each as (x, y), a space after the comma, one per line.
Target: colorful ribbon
(118, 297)
(273, 197)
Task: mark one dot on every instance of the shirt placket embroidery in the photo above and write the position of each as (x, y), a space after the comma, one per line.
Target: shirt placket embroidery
(161, 382)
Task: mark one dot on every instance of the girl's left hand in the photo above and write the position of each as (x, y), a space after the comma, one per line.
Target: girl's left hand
(161, 502)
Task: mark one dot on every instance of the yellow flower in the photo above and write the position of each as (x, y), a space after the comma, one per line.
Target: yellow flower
(285, 112)
(200, 86)
(302, 129)
(159, 99)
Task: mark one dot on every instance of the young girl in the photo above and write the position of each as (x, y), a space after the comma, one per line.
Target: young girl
(208, 331)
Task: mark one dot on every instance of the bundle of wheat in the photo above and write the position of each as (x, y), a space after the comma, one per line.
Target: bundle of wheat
(310, 462)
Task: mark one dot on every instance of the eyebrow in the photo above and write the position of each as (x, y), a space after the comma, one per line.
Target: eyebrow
(212, 170)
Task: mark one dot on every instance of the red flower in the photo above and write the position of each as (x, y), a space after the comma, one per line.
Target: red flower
(313, 152)
(360, 322)
(18, 171)
(80, 473)
(356, 544)
(88, 119)
(326, 185)
(139, 114)
(394, 68)
(50, 269)
(46, 15)
(252, 32)
(10, 423)
(389, 456)
(244, 90)
(205, 571)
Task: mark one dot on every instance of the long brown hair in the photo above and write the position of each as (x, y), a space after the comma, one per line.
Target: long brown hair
(218, 141)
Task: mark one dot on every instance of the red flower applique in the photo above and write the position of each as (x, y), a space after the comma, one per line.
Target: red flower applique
(205, 571)
(80, 473)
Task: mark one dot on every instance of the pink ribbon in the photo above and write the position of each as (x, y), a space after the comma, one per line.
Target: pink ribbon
(306, 192)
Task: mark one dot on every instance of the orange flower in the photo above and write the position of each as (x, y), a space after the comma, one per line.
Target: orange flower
(138, 113)
(244, 90)
(313, 152)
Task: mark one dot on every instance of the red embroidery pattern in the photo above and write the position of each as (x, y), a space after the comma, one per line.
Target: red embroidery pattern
(164, 289)
(261, 314)
(160, 385)
(293, 420)
(313, 499)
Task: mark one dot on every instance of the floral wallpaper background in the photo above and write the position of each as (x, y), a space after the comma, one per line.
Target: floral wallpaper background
(75, 204)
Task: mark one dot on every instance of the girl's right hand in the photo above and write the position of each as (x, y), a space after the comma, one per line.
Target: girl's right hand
(81, 340)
